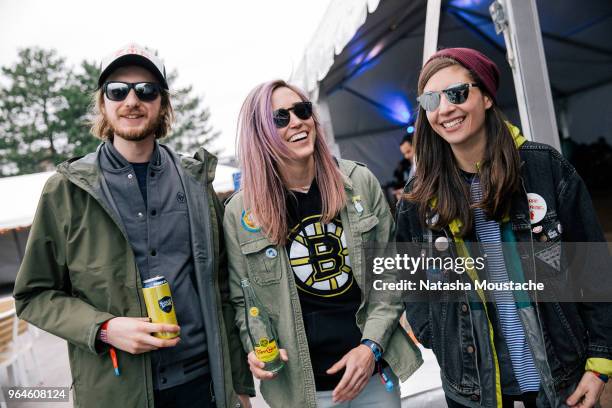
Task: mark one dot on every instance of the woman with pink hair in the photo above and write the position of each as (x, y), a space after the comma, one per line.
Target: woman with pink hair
(295, 229)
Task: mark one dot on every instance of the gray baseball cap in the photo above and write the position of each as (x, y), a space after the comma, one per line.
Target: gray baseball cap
(133, 54)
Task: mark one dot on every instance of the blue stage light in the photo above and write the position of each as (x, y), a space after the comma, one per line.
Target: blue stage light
(468, 3)
(410, 129)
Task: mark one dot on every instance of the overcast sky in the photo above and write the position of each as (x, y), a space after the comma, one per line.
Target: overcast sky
(223, 48)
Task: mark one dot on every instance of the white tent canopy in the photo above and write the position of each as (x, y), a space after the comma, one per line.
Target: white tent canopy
(224, 178)
(342, 19)
(20, 195)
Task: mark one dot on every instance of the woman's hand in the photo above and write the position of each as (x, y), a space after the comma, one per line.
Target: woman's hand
(587, 392)
(359, 366)
(245, 401)
(257, 366)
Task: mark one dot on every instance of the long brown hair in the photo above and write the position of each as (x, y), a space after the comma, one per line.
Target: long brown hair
(261, 152)
(438, 175)
(101, 128)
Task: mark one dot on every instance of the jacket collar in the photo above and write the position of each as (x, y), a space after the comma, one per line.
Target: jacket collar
(113, 161)
(201, 166)
(85, 171)
(346, 170)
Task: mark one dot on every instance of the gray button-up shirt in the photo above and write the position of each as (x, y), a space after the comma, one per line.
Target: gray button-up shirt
(159, 234)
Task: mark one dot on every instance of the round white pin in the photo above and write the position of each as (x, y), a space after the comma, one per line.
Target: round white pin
(441, 243)
(271, 253)
(537, 207)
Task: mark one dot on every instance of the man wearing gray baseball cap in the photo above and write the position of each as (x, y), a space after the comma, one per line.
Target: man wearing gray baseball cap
(131, 211)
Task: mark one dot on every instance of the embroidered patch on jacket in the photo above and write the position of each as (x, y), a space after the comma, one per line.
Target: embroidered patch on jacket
(247, 222)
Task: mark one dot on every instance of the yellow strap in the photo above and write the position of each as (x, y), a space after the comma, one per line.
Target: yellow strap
(600, 365)
(516, 135)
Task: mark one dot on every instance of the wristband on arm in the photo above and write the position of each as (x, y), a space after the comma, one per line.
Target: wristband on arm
(375, 349)
(601, 376)
(102, 333)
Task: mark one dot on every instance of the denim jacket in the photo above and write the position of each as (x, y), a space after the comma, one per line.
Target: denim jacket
(561, 336)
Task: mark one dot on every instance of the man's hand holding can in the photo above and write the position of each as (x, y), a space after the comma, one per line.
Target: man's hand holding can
(134, 334)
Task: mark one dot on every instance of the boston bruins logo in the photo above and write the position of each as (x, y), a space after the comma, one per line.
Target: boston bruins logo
(319, 257)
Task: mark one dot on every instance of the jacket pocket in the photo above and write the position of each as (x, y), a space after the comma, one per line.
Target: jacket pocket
(364, 240)
(263, 261)
(366, 227)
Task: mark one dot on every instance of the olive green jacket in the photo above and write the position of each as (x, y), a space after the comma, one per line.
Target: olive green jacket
(79, 270)
(366, 217)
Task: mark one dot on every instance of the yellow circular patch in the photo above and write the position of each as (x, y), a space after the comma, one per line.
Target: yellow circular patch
(263, 342)
(254, 311)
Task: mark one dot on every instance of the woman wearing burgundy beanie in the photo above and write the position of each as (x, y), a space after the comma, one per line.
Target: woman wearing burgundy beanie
(479, 184)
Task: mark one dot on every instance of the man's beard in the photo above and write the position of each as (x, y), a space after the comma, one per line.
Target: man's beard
(136, 134)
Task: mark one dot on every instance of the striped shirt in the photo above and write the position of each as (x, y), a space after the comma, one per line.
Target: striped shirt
(489, 236)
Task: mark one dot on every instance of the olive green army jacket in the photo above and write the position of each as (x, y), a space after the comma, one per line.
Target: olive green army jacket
(365, 218)
(79, 270)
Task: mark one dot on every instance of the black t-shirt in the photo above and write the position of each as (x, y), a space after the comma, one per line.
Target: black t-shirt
(141, 175)
(329, 294)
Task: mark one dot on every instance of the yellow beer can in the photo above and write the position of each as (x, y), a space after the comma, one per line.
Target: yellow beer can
(159, 303)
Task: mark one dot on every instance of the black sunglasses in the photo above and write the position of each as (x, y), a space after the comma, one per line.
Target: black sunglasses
(118, 91)
(455, 94)
(303, 110)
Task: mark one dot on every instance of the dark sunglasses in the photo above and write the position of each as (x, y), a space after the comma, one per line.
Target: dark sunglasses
(118, 91)
(455, 94)
(303, 110)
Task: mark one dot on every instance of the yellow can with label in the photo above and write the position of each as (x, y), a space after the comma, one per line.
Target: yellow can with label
(159, 303)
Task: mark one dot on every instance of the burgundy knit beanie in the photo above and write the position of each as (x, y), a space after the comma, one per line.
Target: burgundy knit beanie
(476, 62)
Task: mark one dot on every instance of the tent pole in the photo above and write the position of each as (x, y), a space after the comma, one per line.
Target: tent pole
(519, 22)
(432, 26)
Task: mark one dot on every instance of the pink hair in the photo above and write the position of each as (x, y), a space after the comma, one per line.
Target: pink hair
(261, 150)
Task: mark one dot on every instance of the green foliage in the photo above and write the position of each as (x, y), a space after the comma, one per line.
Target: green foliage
(76, 119)
(45, 112)
(32, 133)
(191, 128)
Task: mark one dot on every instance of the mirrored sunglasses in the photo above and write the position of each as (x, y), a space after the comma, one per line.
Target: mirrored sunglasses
(455, 94)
